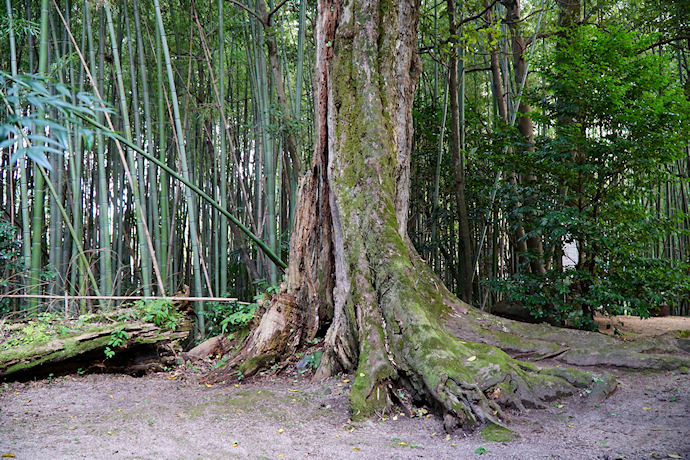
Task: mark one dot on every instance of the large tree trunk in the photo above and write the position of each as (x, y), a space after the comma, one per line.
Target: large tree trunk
(354, 274)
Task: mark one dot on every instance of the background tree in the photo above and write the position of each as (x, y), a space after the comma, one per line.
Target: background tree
(625, 120)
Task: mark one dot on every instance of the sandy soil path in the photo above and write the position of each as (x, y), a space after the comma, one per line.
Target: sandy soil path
(174, 416)
(158, 417)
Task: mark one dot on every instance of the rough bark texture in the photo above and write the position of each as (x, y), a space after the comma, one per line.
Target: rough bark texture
(354, 273)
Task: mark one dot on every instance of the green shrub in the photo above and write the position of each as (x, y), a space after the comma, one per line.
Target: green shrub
(225, 317)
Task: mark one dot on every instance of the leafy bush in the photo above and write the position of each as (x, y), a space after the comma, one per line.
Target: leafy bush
(613, 123)
(225, 317)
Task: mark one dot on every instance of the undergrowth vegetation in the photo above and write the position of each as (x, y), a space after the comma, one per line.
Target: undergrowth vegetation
(232, 316)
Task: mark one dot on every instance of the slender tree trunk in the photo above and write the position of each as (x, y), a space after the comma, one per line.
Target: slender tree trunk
(456, 145)
(533, 244)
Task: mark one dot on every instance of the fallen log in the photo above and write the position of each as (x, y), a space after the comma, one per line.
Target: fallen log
(146, 347)
(135, 341)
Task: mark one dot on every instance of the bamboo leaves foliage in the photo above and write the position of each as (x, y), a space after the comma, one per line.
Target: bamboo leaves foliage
(131, 193)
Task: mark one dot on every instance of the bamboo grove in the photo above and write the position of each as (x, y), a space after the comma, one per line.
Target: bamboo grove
(149, 145)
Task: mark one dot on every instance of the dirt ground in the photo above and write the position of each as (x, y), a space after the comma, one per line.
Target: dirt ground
(172, 415)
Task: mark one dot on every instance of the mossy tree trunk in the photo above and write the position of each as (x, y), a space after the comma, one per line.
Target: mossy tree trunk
(354, 274)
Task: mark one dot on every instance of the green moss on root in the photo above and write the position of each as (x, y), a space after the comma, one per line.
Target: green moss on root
(497, 433)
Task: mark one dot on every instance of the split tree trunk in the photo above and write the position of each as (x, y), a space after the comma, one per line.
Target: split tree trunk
(354, 274)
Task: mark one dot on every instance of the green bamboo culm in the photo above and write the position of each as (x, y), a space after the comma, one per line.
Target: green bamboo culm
(83, 262)
(105, 244)
(143, 252)
(164, 194)
(223, 177)
(23, 163)
(154, 205)
(38, 216)
(191, 208)
(203, 195)
(267, 146)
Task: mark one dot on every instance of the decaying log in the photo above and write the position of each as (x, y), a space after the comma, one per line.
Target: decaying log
(148, 347)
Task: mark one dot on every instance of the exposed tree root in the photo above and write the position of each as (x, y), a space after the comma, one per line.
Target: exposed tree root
(405, 349)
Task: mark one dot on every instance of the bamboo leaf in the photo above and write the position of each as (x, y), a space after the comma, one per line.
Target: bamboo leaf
(63, 89)
(34, 153)
(6, 130)
(38, 87)
(38, 103)
(41, 139)
(8, 142)
(43, 122)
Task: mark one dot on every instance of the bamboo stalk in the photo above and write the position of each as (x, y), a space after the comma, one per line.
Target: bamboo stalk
(183, 160)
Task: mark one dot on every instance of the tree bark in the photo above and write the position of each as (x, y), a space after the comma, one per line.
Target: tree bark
(354, 274)
(148, 348)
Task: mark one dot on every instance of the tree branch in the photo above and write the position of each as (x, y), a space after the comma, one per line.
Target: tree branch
(274, 10)
(251, 11)
(476, 69)
(665, 42)
(477, 16)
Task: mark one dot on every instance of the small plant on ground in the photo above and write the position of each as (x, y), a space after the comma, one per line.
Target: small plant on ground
(118, 337)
